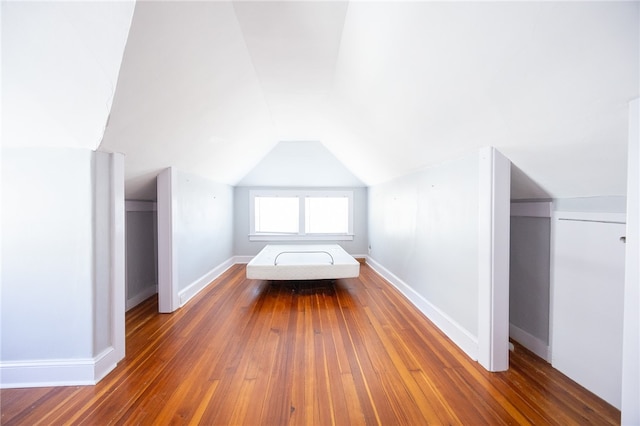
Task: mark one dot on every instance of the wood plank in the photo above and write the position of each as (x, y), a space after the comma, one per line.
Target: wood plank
(254, 352)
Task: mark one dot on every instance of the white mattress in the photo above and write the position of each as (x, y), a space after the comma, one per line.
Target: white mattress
(302, 262)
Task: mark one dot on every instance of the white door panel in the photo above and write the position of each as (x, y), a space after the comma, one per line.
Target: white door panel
(588, 298)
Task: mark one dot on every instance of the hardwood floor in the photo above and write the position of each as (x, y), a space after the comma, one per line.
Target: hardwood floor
(253, 352)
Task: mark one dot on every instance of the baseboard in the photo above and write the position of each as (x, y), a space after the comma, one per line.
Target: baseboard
(454, 331)
(198, 285)
(242, 259)
(361, 258)
(61, 372)
(148, 291)
(530, 342)
(105, 363)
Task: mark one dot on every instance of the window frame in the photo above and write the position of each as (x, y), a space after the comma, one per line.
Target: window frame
(301, 195)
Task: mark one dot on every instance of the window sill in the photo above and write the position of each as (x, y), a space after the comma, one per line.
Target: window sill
(283, 237)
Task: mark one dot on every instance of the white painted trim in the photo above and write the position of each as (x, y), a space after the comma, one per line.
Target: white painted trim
(631, 327)
(58, 372)
(494, 193)
(104, 363)
(552, 266)
(530, 342)
(454, 331)
(141, 206)
(118, 259)
(532, 209)
(45, 373)
(301, 194)
(591, 216)
(137, 299)
(198, 285)
(168, 299)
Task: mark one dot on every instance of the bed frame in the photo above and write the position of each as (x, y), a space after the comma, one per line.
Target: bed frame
(302, 262)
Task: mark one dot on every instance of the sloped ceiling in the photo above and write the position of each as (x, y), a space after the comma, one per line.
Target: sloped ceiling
(386, 87)
(546, 83)
(188, 96)
(60, 64)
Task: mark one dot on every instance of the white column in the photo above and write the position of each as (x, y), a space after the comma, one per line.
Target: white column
(493, 259)
(118, 270)
(168, 299)
(631, 320)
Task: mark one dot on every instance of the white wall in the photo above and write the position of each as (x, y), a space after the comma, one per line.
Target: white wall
(59, 259)
(301, 164)
(47, 248)
(195, 235)
(244, 247)
(142, 251)
(296, 165)
(441, 235)
(204, 227)
(424, 229)
(529, 275)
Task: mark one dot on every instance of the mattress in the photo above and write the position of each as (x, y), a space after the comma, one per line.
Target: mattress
(302, 262)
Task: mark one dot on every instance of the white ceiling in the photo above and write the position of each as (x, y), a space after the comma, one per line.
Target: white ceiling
(60, 64)
(386, 87)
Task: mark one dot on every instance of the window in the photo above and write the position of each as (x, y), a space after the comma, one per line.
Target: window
(326, 215)
(301, 215)
(277, 215)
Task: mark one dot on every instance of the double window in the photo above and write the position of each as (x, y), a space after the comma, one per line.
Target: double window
(301, 215)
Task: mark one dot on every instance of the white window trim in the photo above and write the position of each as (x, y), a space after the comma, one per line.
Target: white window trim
(301, 235)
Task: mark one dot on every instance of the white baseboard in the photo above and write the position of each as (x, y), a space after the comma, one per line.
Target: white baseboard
(242, 259)
(198, 285)
(148, 291)
(60, 372)
(459, 335)
(105, 363)
(530, 342)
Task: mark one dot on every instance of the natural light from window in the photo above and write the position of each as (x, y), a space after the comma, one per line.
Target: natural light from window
(301, 215)
(326, 215)
(277, 215)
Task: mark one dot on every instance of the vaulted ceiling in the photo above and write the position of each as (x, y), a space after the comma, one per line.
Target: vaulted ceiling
(387, 87)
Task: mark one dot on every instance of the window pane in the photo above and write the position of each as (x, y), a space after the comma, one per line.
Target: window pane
(277, 214)
(327, 215)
